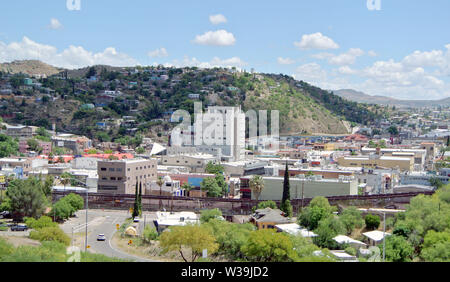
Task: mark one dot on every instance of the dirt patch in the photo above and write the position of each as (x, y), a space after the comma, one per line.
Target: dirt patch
(21, 241)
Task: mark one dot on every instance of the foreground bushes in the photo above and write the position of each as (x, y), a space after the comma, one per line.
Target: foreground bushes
(50, 234)
(47, 252)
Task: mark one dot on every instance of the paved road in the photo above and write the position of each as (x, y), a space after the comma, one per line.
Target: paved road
(101, 222)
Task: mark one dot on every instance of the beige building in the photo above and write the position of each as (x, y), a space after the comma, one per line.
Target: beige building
(402, 163)
(310, 187)
(120, 177)
(196, 163)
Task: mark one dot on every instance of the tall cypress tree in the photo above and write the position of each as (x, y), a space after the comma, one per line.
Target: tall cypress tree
(136, 204)
(140, 198)
(286, 187)
(286, 200)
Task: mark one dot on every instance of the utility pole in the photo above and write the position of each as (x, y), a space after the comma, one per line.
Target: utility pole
(384, 236)
(87, 208)
(303, 192)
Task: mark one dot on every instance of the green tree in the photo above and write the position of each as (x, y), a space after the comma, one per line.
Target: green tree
(214, 168)
(266, 245)
(230, 237)
(42, 222)
(267, 204)
(393, 130)
(8, 146)
(351, 218)
(62, 210)
(256, 185)
(26, 198)
(47, 186)
(286, 186)
(286, 207)
(327, 229)
(436, 246)
(372, 221)
(210, 185)
(207, 215)
(398, 249)
(436, 182)
(194, 237)
(318, 209)
(136, 202)
(76, 201)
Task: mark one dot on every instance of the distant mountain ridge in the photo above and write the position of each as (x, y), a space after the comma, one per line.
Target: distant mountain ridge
(360, 97)
(30, 67)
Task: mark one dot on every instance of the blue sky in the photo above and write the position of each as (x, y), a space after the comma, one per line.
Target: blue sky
(400, 51)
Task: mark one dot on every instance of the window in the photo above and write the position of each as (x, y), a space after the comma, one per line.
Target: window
(113, 178)
(111, 169)
(119, 178)
(119, 169)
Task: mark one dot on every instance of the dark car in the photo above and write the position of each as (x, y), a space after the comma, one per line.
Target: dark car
(19, 227)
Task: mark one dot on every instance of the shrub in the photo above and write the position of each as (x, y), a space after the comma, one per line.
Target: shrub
(42, 222)
(372, 221)
(76, 201)
(267, 204)
(351, 218)
(150, 234)
(50, 234)
(351, 251)
(207, 215)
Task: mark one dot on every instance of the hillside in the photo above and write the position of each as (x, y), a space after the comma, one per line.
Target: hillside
(361, 97)
(30, 67)
(149, 93)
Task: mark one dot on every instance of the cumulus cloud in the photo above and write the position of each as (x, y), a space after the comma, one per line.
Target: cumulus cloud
(316, 41)
(72, 57)
(158, 53)
(347, 58)
(285, 61)
(215, 62)
(419, 75)
(216, 38)
(311, 73)
(55, 24)
(372, 53)
(217, 19)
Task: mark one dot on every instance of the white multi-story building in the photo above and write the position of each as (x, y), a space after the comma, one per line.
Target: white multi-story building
(221, 129)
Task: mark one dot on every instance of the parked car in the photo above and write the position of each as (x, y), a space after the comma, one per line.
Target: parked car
(101, 237)
(19, 227)
(5, 214)
(136, 219)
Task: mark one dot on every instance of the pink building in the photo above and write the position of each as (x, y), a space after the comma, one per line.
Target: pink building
(46, 146)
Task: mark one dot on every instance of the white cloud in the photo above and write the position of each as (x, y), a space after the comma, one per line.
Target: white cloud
(215, 62)
(72, 57)
(217, 19)
(285, 61)
(161, 52)
(372, 53)
(316, 41)
(346, 70)
(216, 38)
(311, 73)
(347, 58)
(55, 24)
(434, 58)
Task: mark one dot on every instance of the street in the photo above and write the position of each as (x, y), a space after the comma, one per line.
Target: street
(100, 222)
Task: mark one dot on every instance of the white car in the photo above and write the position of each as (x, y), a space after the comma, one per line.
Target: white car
(101, 237)
(136, 219)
